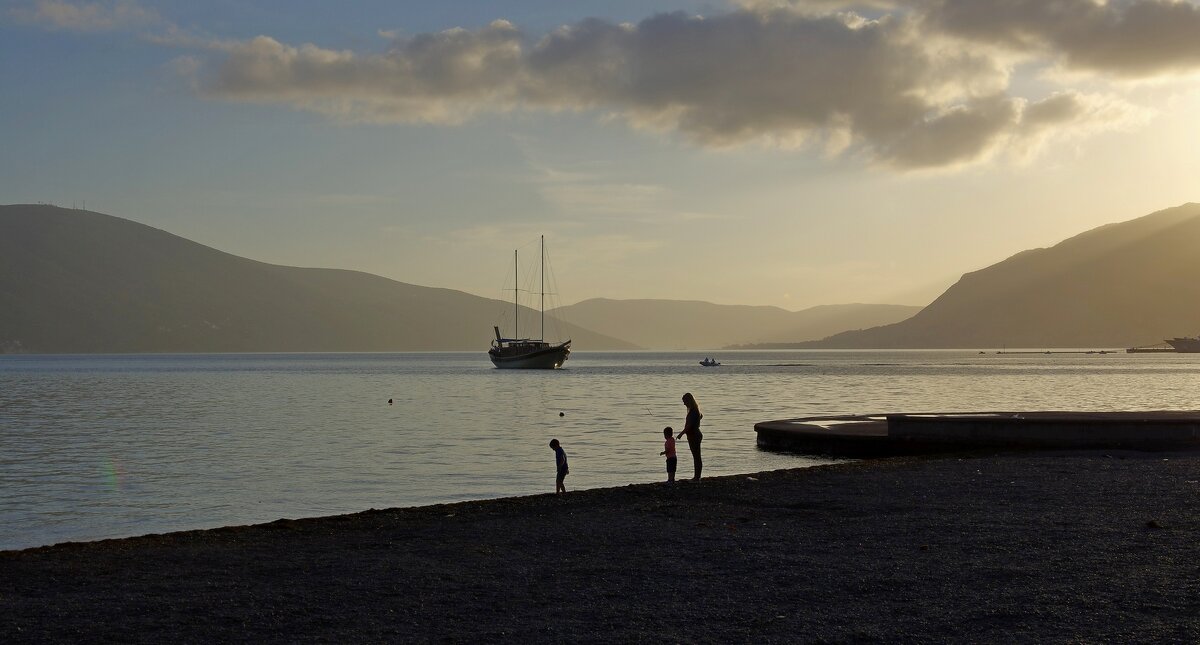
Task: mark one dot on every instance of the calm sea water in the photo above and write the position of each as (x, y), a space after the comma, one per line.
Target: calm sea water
(107, 446)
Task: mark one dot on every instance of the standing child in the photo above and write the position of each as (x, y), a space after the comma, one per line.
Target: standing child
(560, 460)
(669, 451)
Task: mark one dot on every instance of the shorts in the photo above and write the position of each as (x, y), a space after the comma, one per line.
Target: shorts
(563, 472)
(672, 462)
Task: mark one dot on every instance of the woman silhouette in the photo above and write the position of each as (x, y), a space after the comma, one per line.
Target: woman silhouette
(691, 428)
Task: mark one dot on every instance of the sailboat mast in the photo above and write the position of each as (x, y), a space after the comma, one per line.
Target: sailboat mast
(516, 306)
(542, 270)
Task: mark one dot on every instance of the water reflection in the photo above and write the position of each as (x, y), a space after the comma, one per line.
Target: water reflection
(118, 445)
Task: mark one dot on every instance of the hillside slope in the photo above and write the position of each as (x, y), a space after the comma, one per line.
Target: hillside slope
(1131, 283)
(79, 281)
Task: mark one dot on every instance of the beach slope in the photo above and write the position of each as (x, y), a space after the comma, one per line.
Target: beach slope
(1048, 546)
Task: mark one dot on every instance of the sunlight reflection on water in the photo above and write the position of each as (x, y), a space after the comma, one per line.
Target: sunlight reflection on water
(102, 446)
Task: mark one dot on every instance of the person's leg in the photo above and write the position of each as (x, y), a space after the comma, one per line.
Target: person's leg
(697, 464)
(671, 464)
(559, 485)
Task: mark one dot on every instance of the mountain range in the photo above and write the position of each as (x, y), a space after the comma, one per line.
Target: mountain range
(1120, 285)
(80, 281)
(75, 281)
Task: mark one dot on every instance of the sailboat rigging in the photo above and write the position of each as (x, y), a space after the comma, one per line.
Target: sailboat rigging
(528, 353)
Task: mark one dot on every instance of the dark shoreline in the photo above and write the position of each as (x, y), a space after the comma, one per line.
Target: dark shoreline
(1009, 547)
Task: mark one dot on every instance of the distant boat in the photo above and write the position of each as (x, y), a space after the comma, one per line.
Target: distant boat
(528, 353)
(709, 362)
(1185, 344)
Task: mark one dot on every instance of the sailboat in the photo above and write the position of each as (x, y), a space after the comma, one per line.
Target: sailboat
(528, 353)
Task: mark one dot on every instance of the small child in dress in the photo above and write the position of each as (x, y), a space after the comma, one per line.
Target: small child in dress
(560, 461)
(669, 451)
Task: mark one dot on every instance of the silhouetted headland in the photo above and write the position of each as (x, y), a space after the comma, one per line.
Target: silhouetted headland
(1123, 284)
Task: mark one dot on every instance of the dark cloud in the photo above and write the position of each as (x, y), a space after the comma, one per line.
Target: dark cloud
(756, 74)
(1131, 38)
(443, 77)
(734, 77)
(984, 126)
(960, 134)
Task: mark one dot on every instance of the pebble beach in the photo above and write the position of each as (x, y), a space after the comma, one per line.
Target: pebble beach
(1049, 546)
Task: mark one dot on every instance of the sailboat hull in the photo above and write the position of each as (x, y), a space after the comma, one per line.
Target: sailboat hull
(541, 359)
(528, 353)
(1185, 345)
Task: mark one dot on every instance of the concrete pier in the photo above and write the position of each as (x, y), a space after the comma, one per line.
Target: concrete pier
(911, 434)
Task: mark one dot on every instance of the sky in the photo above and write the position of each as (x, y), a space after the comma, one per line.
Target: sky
(764, 152)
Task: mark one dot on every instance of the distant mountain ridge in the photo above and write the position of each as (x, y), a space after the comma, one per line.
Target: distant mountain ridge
(1119, 285)
(79, 281)
(694, 324)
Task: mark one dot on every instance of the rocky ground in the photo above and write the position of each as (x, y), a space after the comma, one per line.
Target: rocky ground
(1085, 546)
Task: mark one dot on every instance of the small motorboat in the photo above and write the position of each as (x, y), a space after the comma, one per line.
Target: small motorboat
(709, 362)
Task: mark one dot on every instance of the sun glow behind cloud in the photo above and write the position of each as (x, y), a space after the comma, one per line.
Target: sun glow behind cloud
(921, 86)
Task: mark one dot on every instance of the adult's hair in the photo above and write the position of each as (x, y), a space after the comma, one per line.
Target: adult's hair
(690, 401)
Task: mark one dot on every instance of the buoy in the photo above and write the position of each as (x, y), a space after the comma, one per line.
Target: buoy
(562, 414)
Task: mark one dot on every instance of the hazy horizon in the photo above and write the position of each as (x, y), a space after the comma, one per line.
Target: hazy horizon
(759, 152)
(528, 269)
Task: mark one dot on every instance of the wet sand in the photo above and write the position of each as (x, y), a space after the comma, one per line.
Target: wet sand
(1035, 546)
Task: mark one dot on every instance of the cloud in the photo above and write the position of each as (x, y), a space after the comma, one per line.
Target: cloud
(967, 133)
(86, 16)
(912, 88)
(818, 6)
(1073, 115)
(744, 76)
(598, 197)
(590, 193)
(777, 76)
(173, 36)
(595, 199)
(959, 134)
(443, 77)
(1129, 38)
